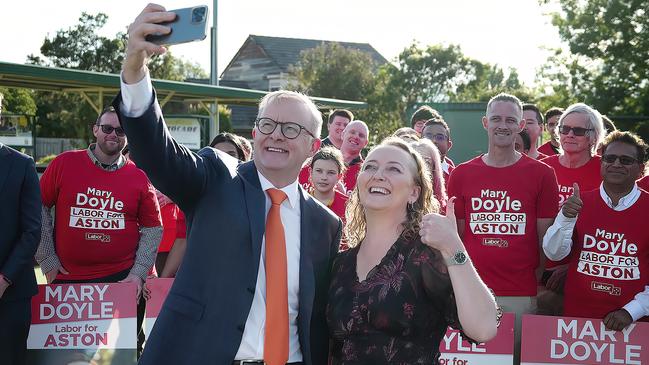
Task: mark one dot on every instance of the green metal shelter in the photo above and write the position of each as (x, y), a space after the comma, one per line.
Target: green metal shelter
(93, 85)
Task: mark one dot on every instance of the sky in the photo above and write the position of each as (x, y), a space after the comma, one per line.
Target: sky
(510, 33)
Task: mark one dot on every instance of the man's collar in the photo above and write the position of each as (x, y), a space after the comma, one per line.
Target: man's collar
(290, 190)
(355, 161)
(625, 201)
(116, 165)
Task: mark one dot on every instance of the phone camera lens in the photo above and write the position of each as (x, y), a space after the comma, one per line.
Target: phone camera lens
(198, 14)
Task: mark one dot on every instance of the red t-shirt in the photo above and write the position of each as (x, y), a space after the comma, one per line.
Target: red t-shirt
(351, 174)
(644, 183)
(610, 261)
(304, 178)
(98, 214)
(541, 156)
(338, 204)
(500, 207)
(547, 149)
(169, 214)
(587, 176)
(181, 225)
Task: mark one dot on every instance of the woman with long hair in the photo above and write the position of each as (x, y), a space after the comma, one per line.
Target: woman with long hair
(406, 276)
(433, 160)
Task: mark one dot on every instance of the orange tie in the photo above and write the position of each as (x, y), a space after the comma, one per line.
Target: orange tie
(276, 335)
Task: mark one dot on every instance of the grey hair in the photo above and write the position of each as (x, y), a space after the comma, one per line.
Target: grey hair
(281, 96)
(506, 98)
(595, 123)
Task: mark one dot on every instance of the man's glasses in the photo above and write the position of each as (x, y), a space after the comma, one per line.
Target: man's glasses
(439, 137)
(119, 131)
(289, 130)
(624, 160)
(577, 131)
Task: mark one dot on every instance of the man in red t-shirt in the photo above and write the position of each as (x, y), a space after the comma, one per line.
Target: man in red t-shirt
(437, 130)
(552, 147)
(355, 138)
(604, 231)
(581, 130)
(534, 128)
(501, 219)
(108, 224)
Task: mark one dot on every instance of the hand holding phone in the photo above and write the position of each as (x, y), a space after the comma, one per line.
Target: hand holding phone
(189, 25)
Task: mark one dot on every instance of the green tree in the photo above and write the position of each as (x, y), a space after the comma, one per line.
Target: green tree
(488, 80)
(608, 43)
(334, 71)
(18, 101)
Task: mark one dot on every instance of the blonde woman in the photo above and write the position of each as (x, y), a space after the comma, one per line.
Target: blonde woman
(406, 276)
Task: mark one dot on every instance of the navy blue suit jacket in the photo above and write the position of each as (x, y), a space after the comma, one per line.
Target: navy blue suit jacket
(203, 318)
(20, 222)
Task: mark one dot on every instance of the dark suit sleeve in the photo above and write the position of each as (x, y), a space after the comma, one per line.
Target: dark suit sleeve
(29, 212)
(172, 168)
(335, 245)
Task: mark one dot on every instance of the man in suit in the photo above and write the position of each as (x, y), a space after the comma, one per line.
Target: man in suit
(218, 308)
(20, 232)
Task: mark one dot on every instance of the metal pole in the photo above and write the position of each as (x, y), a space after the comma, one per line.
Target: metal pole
(214, 76)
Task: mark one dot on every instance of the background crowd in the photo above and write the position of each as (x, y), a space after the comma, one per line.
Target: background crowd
(341, 255)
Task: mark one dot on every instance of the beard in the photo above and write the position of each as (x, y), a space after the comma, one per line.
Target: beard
(110, 149)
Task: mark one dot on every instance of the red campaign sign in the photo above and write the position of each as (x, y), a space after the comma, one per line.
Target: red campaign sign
(159, 288)
(81, 316)
(499, 351)
(567, 340)
(60, 303)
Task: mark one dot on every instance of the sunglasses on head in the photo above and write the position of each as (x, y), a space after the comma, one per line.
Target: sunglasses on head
(624, 160)
(578, 131)
(107, 129)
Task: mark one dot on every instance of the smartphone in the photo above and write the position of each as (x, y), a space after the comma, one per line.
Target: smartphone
(190, 25)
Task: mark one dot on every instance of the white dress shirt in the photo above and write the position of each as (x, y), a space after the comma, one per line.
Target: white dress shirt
(557, 243)
(135, 101)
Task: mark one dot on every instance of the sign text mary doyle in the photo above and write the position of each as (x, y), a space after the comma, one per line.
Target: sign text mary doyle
(499, 351)
(567, 340)
(83, 316)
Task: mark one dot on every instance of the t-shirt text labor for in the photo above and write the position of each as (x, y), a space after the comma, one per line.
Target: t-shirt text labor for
(83, 316)
(495, 212)
(97, 209)
(608, 254)
(454, 350)
(568, 340)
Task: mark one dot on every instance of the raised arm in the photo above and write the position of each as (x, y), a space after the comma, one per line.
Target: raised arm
(173, 168)
(476, 306)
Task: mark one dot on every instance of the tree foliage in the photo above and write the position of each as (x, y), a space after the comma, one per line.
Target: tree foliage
(427, 74)
(606, 65)
(18, 101)
(334, 71)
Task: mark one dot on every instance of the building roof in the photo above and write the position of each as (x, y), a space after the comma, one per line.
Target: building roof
(286, 51)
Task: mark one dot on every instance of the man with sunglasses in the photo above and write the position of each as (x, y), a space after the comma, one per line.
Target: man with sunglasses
(609, 264)
(581, 130)
(253, 285)
(108, 223)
